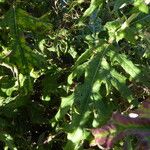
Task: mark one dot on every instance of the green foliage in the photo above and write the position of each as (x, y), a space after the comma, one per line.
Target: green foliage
(67, 66)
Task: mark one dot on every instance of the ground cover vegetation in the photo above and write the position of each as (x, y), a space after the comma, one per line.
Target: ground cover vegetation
(74, 74)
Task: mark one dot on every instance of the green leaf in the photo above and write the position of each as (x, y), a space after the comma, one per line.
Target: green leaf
(2, 1)
(142, 6)
(83, 96)
(93, 6)
(77, 72)
(119, 82)
(125, 63)
(29, 22)
(112, 27)
(84, 57)
(8, 140)
(66, 103)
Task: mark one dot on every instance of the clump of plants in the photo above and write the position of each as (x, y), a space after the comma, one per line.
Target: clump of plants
(70, 69)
